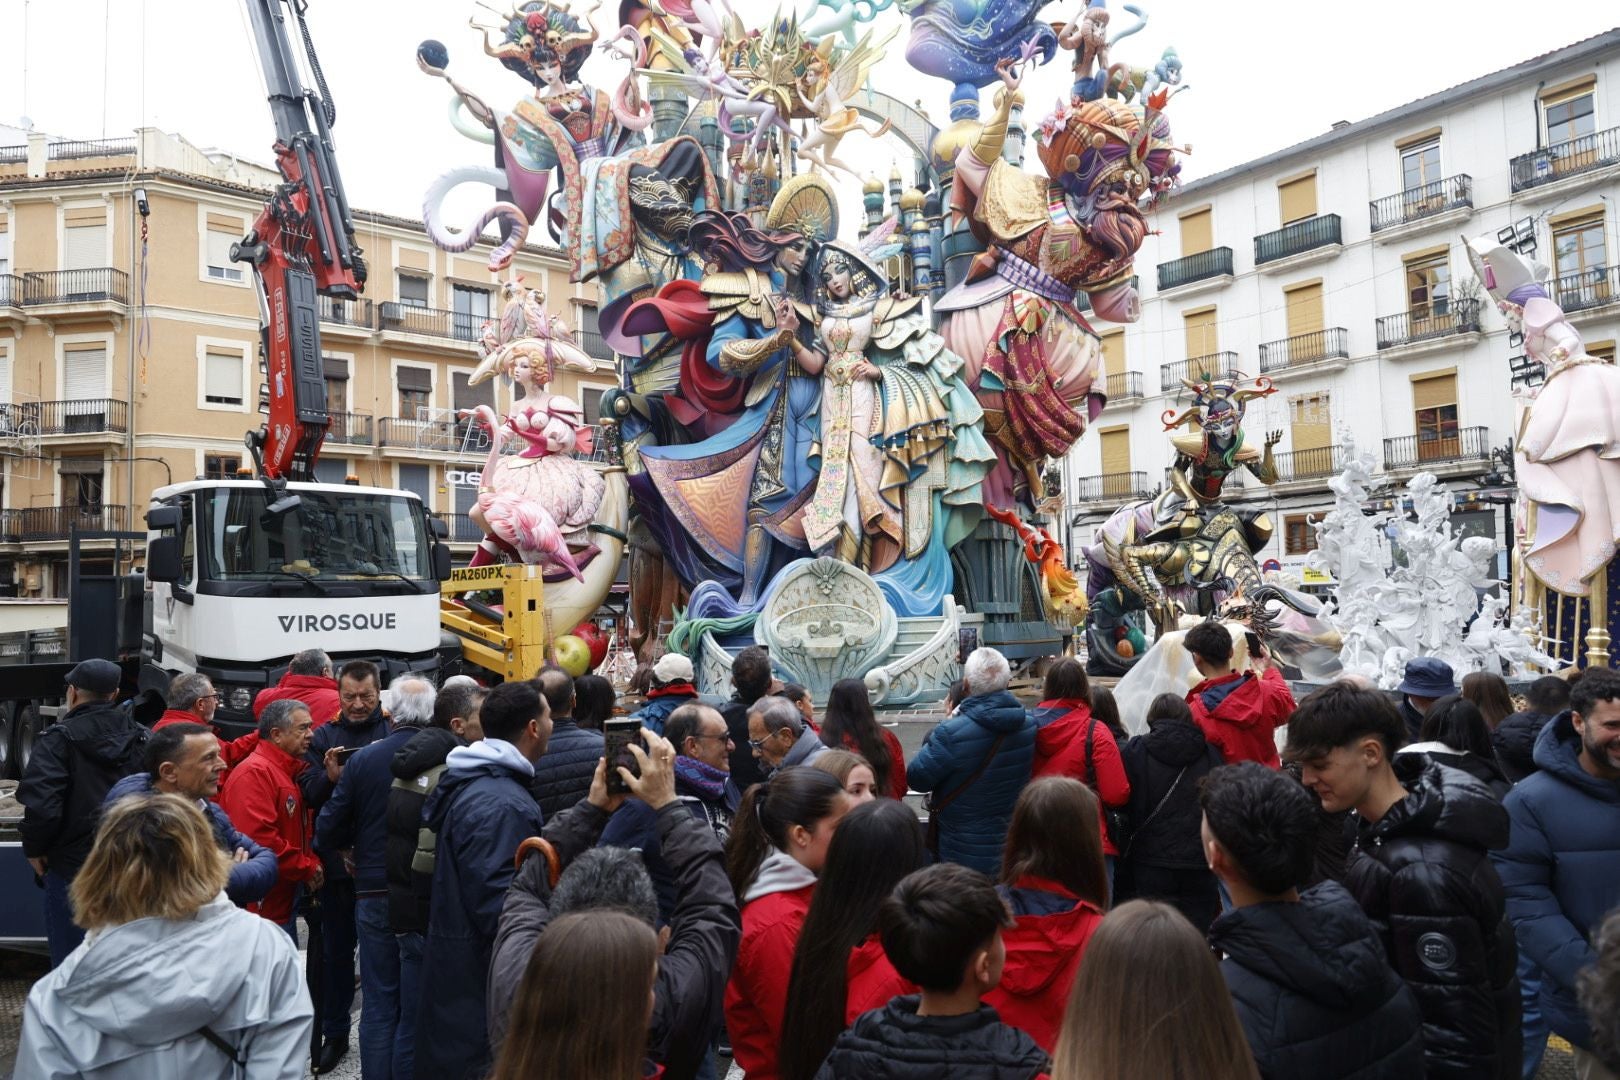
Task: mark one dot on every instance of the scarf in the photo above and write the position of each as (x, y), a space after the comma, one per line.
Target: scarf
(673, 688)
(703, 778)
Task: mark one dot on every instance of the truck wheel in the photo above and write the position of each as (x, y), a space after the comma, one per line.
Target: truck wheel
(23, 729)
(7, 727)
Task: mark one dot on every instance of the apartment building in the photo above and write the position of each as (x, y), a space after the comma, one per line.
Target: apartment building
(1336, 269)
(129, 344)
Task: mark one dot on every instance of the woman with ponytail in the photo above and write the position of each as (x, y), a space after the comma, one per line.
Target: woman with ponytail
(778, 845)
(839, 967)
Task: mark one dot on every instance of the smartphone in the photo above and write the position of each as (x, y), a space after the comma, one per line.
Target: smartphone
(619, 734)
(344, 753)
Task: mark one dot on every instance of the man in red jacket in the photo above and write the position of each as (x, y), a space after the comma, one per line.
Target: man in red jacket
(1237, 710)
(193, 700)
(309, 680)
(265, 804)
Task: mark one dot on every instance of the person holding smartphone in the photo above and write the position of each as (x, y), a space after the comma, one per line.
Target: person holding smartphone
(1238, 711)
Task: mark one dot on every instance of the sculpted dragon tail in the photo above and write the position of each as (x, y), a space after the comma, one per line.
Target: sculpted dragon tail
(513, 216)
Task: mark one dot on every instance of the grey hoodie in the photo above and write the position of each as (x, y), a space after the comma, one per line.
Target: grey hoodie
(130, 1003)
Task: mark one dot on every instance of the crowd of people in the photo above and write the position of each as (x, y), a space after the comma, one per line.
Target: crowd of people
(1416, 887)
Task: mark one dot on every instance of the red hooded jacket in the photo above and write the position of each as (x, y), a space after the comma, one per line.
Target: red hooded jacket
(1043, 954)
(316, 691)
(756, 996)
(234, 752)
(897, 763)
(266, 805)
(1060, 750)
(1239, 713)
(873, 982)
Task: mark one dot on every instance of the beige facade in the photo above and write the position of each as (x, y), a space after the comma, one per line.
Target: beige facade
(125, 363)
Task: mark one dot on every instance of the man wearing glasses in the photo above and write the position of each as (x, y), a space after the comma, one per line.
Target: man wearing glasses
(193, 700)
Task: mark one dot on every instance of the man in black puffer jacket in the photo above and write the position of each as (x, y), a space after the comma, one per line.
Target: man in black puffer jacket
(1308, 976)
(1421, 871)
(1164, 857)
(562, 777)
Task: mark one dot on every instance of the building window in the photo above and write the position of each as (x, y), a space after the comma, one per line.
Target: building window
(220, 265)
(335, 373)
(5, 262)
(413, 289)
(590, 399)
(415, 391)
(1298, 536)
(221, 466)
(84, 240)
(1428, 287)
(1570, 118)
(470, 308)
(1297, 198)
(1579, 250)
(81, 482)
(222, 378)
(418, 479)
(1197, 232)
(1601, 350)
(1420, 165)
(331, 470)
(1434, 403)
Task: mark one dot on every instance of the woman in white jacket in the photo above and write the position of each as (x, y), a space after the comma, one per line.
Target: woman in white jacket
(173, 980)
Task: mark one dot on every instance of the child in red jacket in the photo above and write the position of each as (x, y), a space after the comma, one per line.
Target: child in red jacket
(1238, 710)
(1069, 741)
(1053, 882)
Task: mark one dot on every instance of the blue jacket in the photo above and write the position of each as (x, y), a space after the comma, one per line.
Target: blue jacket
(481, 811)
(313, 782)
(973, 828)
(250, 880)
(563, 774)
(356, 816)
(1561, 869)
(655, 712)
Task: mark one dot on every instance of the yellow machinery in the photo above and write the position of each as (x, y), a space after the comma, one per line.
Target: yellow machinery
(509, 641)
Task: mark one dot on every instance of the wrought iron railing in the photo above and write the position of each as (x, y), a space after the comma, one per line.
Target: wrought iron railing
(1123, 386)
(1565, 159)
(1589, 289)
(438, 436)
(1298, 238)
(1184, 271)
(1415, 204)
(87, 148)
(463, 530)
(353, 428)
(431, 322)
(1305, 464)
(357, 313)
(12, 155)
(1436, 447)
(1427, 322)
(1123, 485)
(13, 290)
(97, 283)
(1305, 349)
(33, 524)
(1199, 368)
(79, 416)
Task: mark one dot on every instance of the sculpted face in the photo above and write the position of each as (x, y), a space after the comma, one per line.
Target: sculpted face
(792, 257)
(839, 286)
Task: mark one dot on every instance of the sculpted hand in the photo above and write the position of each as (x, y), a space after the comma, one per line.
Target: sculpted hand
(656, 784)
(1273, 438)
(787, 317)
(868, 371)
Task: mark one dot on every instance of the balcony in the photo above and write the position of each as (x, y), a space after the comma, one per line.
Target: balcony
(350, 428)
(13, 295)
(1443, 202)
(430, 322)
(462, 438)
(1112, 486)
(462, 529)
(1467, 446)
(71, 149)
(1428, 327)
(96, 291)
(1561, 168)
(72, 419)
(1308, 464)
(1198, 369)
(347, 318)
(1306, 350)
(1303, 242)
(1123, 388)
(41, 524)
(1588, 291)
(1207, 270)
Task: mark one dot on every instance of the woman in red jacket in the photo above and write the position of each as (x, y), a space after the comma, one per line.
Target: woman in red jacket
(778, 845)
(849, 723)
(1053, 881)
(839, 968)
(1069, 741)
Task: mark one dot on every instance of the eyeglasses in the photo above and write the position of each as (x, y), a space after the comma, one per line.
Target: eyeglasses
(726, 738)
(755, 744)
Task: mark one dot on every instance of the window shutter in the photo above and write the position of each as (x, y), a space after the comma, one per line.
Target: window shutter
(1298, 198)
(1113, 350)
(1434, 392)
(419, 479)
(219, 250)
(1311, 426)
(1304, 310)
(331, 470)
(1116, 451)
(5, 378)
(222, 378)
(84, 374)
(1197, 233)
(84, 247)
(414, 378)
(1201, 336)
(334, 367)
(470, 397)
(79, 465)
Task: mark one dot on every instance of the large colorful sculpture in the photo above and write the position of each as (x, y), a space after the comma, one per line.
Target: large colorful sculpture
(792, 398)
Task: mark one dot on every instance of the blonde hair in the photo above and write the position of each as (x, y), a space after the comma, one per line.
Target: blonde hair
(154, 857)
(839, 762)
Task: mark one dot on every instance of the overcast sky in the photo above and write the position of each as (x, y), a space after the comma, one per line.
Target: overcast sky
(1263, 75)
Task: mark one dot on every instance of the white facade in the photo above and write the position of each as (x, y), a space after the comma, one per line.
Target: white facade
(1477, 130)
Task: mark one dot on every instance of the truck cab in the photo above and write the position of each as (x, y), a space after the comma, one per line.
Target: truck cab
(244, 575)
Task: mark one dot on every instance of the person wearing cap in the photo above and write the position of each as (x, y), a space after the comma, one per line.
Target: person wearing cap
(76, 761)
(672, 687)
(1427, 681)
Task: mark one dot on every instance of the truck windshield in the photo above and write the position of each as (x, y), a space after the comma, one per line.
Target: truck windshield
(329, 535)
